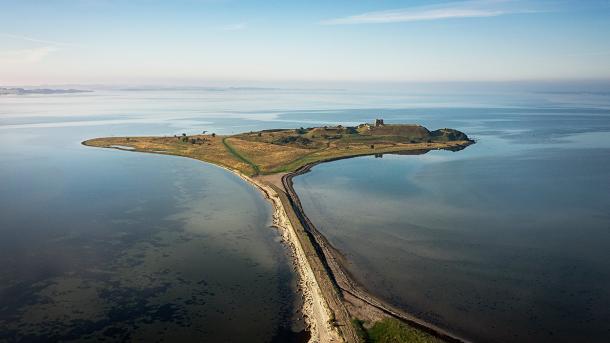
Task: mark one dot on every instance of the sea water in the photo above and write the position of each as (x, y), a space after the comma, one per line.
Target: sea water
(506, 240)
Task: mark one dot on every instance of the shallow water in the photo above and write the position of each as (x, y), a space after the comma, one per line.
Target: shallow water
(119, 245)
(140, 247)
(104, 244)
(504, 241)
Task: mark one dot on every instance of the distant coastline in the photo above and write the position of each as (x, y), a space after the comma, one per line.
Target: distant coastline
(24, 91)
(225, 89)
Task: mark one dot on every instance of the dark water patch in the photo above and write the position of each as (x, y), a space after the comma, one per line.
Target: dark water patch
(138, 247)
(289, 336)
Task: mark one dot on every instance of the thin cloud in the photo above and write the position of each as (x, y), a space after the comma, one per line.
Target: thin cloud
(461, 9)
(35, 40)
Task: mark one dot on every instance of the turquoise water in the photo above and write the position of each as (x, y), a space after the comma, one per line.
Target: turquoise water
(104, 244)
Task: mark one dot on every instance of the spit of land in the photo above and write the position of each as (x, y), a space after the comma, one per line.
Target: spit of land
(336, 308)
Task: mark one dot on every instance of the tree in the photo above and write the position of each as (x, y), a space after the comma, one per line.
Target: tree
(213, 134)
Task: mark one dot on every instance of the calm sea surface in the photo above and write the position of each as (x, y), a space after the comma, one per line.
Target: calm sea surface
(506, 240)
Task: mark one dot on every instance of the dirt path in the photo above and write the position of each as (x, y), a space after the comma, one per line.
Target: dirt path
(339, 277)
(328, 291)
(318, 312)
(239, 156)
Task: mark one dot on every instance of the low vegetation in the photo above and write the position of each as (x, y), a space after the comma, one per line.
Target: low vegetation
(284, 150)
(391, 330)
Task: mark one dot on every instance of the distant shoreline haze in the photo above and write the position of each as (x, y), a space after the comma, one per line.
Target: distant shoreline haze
(23, 91)
(538, 86)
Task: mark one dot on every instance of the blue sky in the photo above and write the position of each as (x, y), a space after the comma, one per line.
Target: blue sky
(199, 41)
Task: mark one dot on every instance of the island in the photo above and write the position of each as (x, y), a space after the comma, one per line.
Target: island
(336, 308)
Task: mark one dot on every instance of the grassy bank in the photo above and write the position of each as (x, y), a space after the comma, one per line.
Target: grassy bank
(391, 330)
(275, 151)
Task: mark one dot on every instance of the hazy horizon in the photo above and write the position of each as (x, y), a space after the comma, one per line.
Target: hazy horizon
(197, 42)
(595, 86)
(305, 171)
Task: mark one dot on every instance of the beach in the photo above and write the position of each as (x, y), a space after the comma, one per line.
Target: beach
(331, 295)
(332, 299)
(316, 309)
(356, 298)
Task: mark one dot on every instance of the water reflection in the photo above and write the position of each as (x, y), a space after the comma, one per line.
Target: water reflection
(109, 244)
(100, 244)
(498, 245)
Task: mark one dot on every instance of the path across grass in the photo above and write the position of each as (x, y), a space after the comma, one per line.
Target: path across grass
(240, 156)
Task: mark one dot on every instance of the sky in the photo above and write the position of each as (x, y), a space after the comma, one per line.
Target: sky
(202, 41)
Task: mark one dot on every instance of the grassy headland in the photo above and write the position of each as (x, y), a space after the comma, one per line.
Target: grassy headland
(285, 150)
(255, 156)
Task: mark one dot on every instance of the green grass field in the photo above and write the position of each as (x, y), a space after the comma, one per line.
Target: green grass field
(392, 331)
(284, 150)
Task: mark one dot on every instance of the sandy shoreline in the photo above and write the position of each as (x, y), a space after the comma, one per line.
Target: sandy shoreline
(349, 287)
(326, 287)
(316, 311)
(331, 258)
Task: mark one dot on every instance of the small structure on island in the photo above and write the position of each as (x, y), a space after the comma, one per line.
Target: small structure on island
(368, 126)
